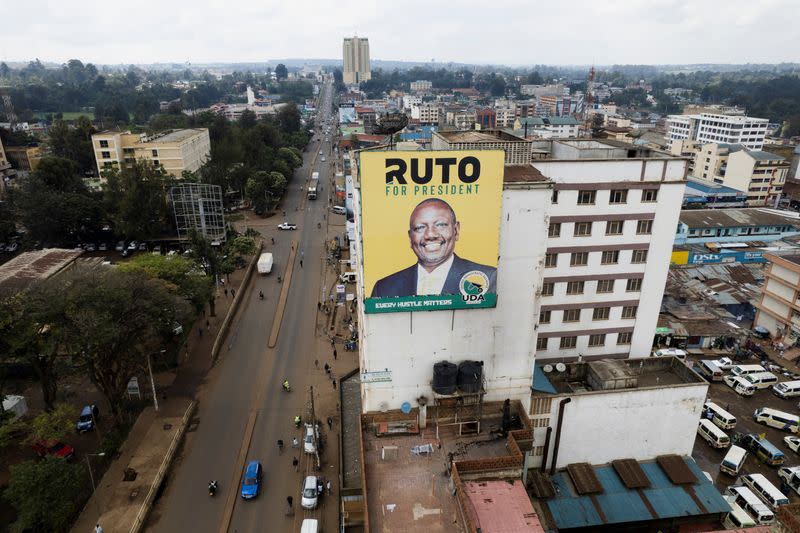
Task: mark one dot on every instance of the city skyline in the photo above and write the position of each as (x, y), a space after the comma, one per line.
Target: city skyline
(618, 32)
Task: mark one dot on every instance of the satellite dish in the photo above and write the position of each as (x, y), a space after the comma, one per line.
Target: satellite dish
(406, 407)
(383, 407)
(561, 367)
(547, 368)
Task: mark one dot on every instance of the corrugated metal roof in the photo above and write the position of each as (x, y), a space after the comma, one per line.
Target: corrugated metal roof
(736, 218)
(631, 473)
(761, 155)
(502, 507)
(675, 468)
(584, 479)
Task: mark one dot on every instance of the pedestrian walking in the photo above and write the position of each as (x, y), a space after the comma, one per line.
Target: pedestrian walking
(208, 324)
(333, 342)
(98, 529)
(233, 293)
(226, 292)
(328, 486)
(302, 255)
(334, 354)
(319, 306)
(330, 423)
(199, 332)
(289, 500)
(334, 383)
(222, 280)
(295, 462)
(295, 443)
(316, 364)
(301, 263)
(327, 368)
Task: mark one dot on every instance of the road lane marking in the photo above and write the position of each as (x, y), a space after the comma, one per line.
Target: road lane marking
(287, 278)
(230, 502)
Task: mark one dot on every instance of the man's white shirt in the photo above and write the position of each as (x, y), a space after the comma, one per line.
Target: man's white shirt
(433, 282)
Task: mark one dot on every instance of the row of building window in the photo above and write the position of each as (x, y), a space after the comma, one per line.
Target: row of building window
(595, 340)
(598, 313)
(613, 227)
(604, 286)
(610, 257)
(616, 196)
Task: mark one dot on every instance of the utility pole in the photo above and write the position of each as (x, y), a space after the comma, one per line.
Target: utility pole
(315, 428)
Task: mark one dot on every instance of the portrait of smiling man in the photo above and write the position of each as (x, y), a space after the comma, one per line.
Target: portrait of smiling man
(433, 231)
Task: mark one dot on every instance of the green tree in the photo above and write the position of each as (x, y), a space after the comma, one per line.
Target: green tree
(55, 424)
(117, 320)
(247, 119)
(74, 143)
(181, 274)
(135, 199)
(289, 118)
(46, 494)
(242, 245)
(281, 72)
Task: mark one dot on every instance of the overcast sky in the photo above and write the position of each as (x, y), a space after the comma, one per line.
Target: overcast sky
(514, 32)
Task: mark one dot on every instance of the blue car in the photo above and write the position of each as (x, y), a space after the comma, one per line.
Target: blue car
(251, 482)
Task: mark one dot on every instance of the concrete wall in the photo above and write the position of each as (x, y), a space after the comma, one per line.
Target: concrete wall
(639, 423)
(408, 344)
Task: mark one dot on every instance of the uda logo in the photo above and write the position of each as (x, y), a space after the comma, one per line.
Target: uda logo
(473, 286)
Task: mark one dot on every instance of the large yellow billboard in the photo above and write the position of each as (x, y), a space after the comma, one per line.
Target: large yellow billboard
(431, 229)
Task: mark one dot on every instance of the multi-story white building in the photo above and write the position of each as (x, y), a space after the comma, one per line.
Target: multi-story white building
(421, 85)
(517, 149)
(410, 101)
(427, 113)
(175, 151)
(505, 115)
(760, 174)
(716, 128)
(356, 67)
(585, 241)
(778, 309)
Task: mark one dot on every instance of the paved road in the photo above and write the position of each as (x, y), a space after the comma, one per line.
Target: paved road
(246, 386)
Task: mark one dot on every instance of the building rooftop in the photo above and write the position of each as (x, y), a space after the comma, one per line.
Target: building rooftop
(29, 267)
(563, 121)
(708, 186)
(667, 488)
(761, 155)
(612, 374)
(178, 135)
(522, 174)
(593, 149)
(483, 136)
(502, 507)
(727, 218)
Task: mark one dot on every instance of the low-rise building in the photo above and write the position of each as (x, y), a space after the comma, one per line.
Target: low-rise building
(427, 113)
(706, 193)
(486, 118)
(175, 151)
(697, 226)
(547, 127)
(421, 85)
(760, 174)
(24, 158)
(517, 149)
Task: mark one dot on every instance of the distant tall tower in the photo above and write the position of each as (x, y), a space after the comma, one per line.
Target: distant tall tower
(355, 52)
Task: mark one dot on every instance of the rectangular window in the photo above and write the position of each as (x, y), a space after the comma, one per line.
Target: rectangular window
(575, 287)
(554, 198)
(571, 315)
(106, 155)
(614, 227)
(103, 144)
(634, 285)
(629, 311)
(583, 229)
(554, 230)
(639, 256)
(544, 317)
(586, 197)
(550, 260)
(568, 342)
(649, 195)
(548, 288)
(541, 343)
(624, 338)
(155, 153)
(605, 285)
(601, 313)
(610, 258)
(598, 339)
(644, 227)
(156, 162)
(579, 259)
(618, 196)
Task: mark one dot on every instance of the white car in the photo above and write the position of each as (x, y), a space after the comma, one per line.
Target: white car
(740, 385)
(309, 496)
(310, 439)
(793, 443)
(725, 363)
(287, 226)
(666, 352)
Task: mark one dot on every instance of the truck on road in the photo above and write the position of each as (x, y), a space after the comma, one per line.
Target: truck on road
(264, 264)
(312, 186)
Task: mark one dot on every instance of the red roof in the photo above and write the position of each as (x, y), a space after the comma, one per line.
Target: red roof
(362, 109)
(502, 507)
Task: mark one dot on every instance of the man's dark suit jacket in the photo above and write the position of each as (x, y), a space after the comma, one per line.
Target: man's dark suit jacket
(404, 282)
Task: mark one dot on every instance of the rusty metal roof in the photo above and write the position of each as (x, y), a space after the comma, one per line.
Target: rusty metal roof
(631, 473)
(584, 479)
(540, 484)
(17, 274)
(676, 470)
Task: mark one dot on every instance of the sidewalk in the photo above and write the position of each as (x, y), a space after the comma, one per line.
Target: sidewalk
(119, 505)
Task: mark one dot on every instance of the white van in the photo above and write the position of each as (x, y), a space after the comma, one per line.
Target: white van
(761, 380)
(733, 460)
(310, 525)
(787, 389)
(348, 277)
(737, 518)
(339, 210)
(739, 385)
(751, 504)
(764, 489)
(721, 417)
(710, 369)
(777, 419)
(743, 370)
(712, 434)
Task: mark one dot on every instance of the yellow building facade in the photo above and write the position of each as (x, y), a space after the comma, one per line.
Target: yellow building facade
(175, 151)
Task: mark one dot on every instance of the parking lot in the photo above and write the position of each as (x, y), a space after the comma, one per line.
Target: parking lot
(742, 408)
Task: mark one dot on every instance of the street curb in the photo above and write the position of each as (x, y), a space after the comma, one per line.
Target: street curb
(226, 323)
(138, 523)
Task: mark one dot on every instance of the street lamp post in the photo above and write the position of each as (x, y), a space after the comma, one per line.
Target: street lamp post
(91, 475)
(152, 381)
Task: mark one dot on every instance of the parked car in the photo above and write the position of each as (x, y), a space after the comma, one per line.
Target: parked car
(309, 494)
(102, 247)
(156, 249)
(142, 246)
(251, 481)
(120, 246)
(725, 363)
(53, 448)
(12, 247)
(132, 246)
(310, 438)
(740, 385)
(287, 226)
(87, 418)
(793, 443)
(665, 352)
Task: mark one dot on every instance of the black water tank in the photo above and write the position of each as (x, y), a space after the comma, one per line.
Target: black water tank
(470, 376)
(445, 377)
